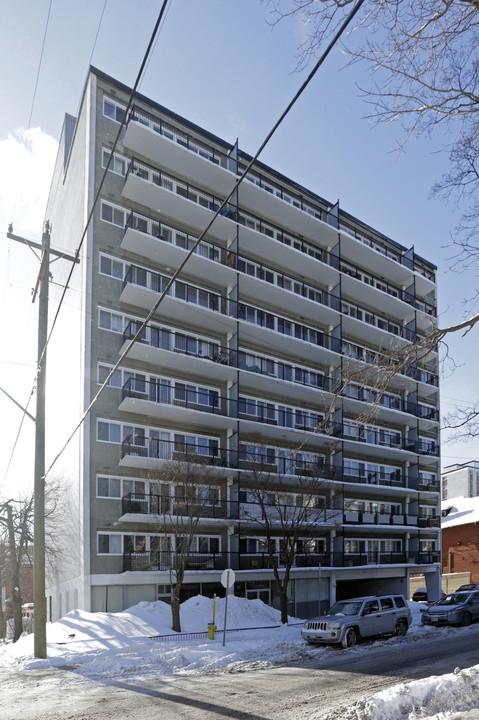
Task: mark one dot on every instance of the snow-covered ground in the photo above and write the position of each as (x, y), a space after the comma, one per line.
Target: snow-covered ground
(117, 645)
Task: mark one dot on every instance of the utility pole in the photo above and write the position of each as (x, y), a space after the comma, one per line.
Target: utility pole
(39, 599)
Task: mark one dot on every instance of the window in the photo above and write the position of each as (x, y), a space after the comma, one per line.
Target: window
(109, 544)
(113, 214)
(112, 267)
(108, 487)
(118, 163)
(387, 604)
(208, 545)
(134, 543)
(112, 110)
(108, 432)
(108, 320)
(104, 371)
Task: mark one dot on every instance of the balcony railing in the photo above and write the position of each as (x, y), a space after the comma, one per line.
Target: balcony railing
(176, 508)
(264, 460)
(377, 557)
(165, 560)
(186, 292)
(218, 157)
(274, 188)
(429, 521)
(429, 485)
(176, 236)
(394, 479)
(174, 133)
(378, 518)
(386, 250)
(192, 346)
(196, 561)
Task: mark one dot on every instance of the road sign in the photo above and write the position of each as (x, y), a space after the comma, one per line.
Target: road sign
(228, 578)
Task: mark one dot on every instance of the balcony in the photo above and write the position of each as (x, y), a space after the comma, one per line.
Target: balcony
(205, 562)
(142, 287)
(394, 479)
(166, 402)
(149, 186)
(378, 518)
(177, 351)
(169, 245)
(262, 460)
(215, 312)
(429, 486)
(178, 150)
(429, 521)
(397, 255)
(174, 509)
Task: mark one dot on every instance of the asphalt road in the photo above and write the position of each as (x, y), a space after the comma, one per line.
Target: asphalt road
(319, 689)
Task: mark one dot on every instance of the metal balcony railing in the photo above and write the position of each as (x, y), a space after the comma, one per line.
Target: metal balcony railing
(429, 521)
(221, 158)
(191, 504)
(196, 561)
(181, 137)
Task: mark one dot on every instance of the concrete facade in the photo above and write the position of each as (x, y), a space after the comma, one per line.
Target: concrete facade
(460, 480)
(242, 366)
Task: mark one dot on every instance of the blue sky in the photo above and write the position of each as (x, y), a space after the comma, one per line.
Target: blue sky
(218, 63)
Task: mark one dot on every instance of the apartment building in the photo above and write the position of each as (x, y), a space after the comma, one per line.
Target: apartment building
(253, 362)
(460, 479)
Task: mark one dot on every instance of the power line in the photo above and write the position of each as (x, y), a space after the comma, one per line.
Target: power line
(97, 32)
(33, 99)
(304, 85)
(165, 2)
(110, 159)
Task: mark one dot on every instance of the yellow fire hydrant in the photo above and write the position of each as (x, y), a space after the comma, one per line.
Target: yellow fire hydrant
(211, 625)
(211, 631)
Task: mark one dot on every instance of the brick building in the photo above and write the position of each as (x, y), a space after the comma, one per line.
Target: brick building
(460, 536)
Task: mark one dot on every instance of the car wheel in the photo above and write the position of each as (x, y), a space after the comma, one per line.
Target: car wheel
(465, 619)
(401, 628)
(350, 638)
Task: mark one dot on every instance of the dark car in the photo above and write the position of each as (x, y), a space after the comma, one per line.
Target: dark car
(420, 594)
(458, 608)
(470, 587)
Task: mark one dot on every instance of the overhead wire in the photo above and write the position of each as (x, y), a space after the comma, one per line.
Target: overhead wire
(97, 32)
(96, 199)
(137, 335)
(105, 172)
(33, 101)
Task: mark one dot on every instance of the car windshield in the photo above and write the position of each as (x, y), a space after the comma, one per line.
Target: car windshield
(345, 607)
(454, 599)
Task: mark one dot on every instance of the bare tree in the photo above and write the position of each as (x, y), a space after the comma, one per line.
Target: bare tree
(289, 508)
(189, 491)
(424, 69)
(16, 526)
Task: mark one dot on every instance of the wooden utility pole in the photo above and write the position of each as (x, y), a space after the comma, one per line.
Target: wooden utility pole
(39, 599)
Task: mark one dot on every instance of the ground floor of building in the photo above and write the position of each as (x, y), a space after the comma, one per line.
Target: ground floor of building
(311, 591)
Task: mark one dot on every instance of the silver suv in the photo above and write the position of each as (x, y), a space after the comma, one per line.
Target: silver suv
(350, 620)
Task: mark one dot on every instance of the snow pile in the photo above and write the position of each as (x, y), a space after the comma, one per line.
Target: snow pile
(427, 699)
(118, 645)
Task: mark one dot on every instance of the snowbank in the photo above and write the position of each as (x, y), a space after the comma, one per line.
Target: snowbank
(102, 645)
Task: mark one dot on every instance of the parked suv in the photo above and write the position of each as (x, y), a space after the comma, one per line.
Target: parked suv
(350, 620)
